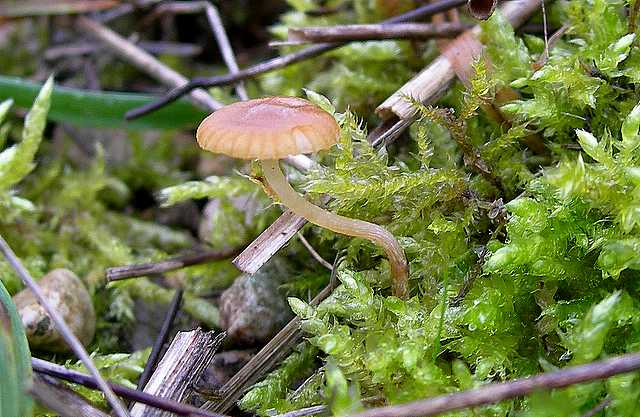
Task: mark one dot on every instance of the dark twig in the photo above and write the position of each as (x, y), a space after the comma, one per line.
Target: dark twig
(47, 368)
(349, 33)
(599, 407)
(314, 253)
(281, 61)
(130, 271)
(161, 339)
(62, 327)
(493, 393)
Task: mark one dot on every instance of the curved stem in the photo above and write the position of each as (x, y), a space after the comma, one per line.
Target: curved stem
(340, 224)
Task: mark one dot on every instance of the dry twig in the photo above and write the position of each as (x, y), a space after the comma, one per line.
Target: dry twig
(493, 393)
(429, 84)
(192, 7)
(350, 33)
(269, 242)
(599, 407)
(140, 270)
(313, 252)
(62, 327)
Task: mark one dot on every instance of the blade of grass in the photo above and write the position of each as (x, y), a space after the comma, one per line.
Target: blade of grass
(101, 109)
(15, 361)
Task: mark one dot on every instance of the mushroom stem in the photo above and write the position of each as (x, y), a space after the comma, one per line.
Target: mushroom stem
(340, 224)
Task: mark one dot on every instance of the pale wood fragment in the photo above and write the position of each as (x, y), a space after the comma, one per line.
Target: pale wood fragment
(181, 366)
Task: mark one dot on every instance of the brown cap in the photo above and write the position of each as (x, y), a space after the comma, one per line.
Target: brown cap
(268, 128)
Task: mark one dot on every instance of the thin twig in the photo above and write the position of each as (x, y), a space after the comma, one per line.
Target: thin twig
(599, 407)
(225, 46)
(160, 339)
(351, 33)
(192, 7)
(62, 327)
(493, 393)
(546, 29)
(549, 44)
(60, 372)
(140, 270)
(144, 61)
(156, 48)
(280, 62)
(314, 253)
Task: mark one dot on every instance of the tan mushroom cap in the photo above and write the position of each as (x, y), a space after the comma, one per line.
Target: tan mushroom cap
(268, 128)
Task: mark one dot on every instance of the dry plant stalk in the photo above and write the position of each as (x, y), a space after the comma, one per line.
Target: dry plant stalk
(269, 242)
(344, 33)
(117, 273)
(181, 366)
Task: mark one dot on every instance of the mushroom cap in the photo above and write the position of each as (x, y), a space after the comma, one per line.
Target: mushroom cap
(268, 128)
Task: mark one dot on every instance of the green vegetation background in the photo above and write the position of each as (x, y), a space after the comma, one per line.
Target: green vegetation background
(533, 270)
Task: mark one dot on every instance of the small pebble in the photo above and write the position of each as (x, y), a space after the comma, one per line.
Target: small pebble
(68, 295)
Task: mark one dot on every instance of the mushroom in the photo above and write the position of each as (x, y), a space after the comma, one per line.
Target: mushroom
(272, 128)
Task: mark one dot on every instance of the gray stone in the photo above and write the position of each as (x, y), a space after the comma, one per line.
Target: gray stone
(68, 295)
(252, 310)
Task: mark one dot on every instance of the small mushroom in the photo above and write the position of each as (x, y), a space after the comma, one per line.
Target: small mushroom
(272, 128)
(67, 294)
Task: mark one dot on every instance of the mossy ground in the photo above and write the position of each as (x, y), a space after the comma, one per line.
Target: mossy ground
(529, 268)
